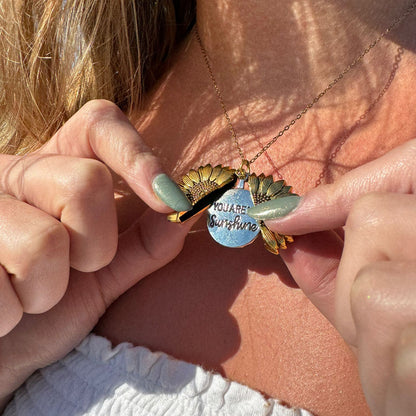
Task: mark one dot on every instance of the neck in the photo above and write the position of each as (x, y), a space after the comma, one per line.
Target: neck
(292, 46)
(270, 59)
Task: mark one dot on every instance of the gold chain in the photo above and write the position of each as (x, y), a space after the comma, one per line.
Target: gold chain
(347, 69)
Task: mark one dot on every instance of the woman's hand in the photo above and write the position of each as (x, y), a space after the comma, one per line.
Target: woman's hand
(62, 262)
(366, 285)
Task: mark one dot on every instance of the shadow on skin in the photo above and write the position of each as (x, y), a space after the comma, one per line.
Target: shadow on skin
(184, 308)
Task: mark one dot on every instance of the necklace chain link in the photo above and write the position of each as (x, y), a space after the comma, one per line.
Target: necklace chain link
(273, 140)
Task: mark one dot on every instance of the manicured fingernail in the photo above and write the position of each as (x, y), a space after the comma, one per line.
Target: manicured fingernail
(170, 193)
(275, 208)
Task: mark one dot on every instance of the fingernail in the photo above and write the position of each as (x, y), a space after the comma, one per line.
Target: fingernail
(275, 208)
(170, 193)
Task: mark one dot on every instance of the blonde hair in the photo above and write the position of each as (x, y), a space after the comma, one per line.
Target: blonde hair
(57, 55)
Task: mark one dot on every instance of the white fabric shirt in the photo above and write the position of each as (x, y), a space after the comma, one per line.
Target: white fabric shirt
(96, 380)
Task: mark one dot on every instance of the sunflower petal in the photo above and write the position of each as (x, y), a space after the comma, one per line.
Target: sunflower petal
(187, 182)
(205, 172)
(264, 184)
(275, 188)
(269, 239)
(253, 183)
(224, 176)
(280, 238)
(194, 176)
(286, 190)
(215, 172)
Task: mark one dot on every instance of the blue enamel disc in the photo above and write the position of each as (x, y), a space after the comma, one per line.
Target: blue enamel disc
(228, 221)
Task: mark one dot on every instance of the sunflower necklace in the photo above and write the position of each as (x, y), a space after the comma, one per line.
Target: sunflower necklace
(221, 189)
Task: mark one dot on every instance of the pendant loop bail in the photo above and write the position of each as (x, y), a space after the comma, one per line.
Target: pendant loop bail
(243, 171)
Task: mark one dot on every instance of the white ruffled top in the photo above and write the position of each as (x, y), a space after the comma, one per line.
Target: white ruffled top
(96, 380)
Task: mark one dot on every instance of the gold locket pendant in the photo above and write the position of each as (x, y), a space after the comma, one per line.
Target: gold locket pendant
(221, 190)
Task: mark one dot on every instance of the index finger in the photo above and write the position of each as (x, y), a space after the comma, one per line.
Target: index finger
(100, 130)
(327, 207)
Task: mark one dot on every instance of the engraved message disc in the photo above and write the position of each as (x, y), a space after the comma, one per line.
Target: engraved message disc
(228, 221)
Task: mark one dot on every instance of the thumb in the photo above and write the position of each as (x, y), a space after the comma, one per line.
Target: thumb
(327, 207)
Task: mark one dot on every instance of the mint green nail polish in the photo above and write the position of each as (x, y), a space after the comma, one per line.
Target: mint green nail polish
(170, 193)
(275, 208)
